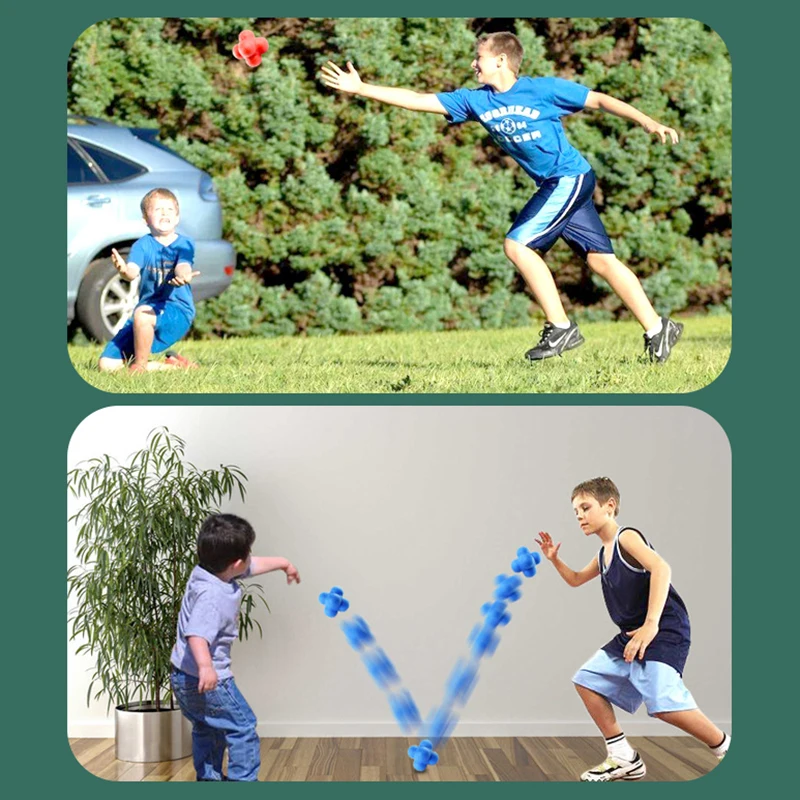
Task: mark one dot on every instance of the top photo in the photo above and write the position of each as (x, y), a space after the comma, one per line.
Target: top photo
(399, 206)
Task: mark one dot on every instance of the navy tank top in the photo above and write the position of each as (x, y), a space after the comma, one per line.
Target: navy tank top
(626, 590)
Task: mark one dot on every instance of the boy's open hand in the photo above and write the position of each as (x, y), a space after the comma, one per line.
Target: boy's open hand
(118, 261)
(336, 78)
(640, 639)
(549, 549)
(182, 278)
(651, 126)
(207, 679)
(292, 575)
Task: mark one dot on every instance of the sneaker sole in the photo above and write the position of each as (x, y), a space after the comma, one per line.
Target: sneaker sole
(636, 773)
(628, 776)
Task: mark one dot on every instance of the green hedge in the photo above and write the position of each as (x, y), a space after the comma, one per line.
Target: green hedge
(352, 216)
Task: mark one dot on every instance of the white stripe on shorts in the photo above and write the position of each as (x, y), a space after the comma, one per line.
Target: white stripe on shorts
(556, 199)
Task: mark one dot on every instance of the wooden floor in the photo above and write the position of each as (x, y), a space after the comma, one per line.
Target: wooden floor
(668, 758)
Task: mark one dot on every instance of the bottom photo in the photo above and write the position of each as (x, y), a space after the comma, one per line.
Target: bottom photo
(407, 593)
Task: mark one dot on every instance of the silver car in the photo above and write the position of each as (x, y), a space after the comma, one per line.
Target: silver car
(109, 170)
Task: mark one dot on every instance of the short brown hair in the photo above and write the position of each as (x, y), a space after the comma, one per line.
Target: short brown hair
(158, 193)
(602, 489)
(507, 43)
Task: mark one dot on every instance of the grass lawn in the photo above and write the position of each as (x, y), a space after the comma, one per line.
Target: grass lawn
(452, 362)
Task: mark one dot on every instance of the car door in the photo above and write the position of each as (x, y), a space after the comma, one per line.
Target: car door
(92, 207)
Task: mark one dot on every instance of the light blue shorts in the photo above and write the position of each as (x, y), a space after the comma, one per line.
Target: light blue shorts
(627, 686)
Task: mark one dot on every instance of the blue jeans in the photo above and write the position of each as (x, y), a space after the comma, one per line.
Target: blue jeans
(220, 718)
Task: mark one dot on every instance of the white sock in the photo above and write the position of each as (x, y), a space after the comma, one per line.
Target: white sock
(562, 325)
(655, 329)
(722, 748)
(618, 747)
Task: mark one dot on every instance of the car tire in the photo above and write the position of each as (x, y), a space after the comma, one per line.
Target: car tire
(105, 301)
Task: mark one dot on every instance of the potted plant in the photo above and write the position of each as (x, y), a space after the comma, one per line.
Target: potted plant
(136, 545)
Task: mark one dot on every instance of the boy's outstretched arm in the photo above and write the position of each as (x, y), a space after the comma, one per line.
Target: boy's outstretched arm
(604, 102)
(261, 564)
(350, 82)
(573, 578)
(660, 576)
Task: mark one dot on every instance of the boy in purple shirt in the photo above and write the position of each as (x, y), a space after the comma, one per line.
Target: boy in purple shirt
(208, 623)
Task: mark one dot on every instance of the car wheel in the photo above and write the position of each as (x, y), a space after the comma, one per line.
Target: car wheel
(105, 301)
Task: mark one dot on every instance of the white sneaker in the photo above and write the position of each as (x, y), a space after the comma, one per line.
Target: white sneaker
(727, 743)
(616, 769)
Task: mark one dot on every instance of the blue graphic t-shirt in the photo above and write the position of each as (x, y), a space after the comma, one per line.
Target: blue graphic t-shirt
(526, 122)
(157, 264)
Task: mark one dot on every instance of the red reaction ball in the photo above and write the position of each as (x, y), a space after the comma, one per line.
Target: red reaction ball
(250, 48)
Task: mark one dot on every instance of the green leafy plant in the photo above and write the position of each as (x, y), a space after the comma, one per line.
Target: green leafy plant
(136, 545)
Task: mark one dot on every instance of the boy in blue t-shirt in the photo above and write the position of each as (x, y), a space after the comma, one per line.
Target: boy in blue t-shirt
(208, 623)
(162, 260)
(644, 662)
(523, 116)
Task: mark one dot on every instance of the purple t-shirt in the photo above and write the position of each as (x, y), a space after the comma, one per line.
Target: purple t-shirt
(210, 609)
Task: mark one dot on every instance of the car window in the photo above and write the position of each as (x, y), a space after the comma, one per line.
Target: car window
(113, 166)
(149, 135)
(78, 171)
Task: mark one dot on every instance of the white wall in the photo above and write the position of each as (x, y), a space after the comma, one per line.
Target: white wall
(413, 511)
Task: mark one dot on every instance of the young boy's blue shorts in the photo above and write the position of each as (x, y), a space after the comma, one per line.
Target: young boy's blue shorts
(625, 685)
(562, 207)
(172, 324)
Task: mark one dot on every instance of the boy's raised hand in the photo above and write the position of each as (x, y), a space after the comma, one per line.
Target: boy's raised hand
(118, 261)
(183, 277)
(292, 575)
(336, 78)
(549, 549)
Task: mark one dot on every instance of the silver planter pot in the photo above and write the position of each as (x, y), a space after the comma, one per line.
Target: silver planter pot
(144, 734)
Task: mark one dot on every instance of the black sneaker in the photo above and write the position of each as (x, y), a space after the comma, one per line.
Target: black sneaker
(657, 348)
(554, 341)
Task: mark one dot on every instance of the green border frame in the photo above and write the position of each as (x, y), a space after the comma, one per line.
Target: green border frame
(46, 399)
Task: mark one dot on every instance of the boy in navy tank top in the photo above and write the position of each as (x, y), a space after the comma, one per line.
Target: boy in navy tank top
(644, 662)
(523, 116)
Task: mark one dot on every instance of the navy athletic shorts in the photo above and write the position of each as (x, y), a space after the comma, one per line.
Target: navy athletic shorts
(562, 207)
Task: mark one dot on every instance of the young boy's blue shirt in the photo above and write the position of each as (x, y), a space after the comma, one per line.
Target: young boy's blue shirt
(157, 264)
(525, 121)
(210, 610)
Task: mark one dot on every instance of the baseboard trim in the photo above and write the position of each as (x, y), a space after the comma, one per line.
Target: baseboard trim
(104, 729)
